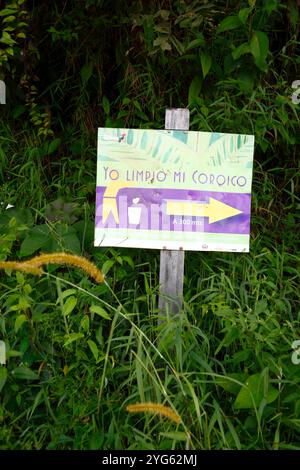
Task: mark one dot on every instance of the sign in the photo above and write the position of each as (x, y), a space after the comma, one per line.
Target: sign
(173, 189)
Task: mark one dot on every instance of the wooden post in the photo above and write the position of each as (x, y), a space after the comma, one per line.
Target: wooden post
(2, 92)
(172, 261)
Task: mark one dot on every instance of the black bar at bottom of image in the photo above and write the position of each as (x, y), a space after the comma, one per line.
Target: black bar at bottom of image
(139, 459)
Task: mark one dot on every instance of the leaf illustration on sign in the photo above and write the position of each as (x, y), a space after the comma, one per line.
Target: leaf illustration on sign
(137, 148)
(230, 149)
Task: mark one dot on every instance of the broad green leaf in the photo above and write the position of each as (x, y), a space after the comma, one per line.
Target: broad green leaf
(22, 218)
(137, 105)
(54, 144)
(27, 289)
(106, 105)
(99, 311)
(37, 238)
(231, 22)
(119, 260)
(129, 260)
(13, 353)
(204, 110)
(164, 14)
(244, 13)
(19, 322)
(69, 305)
(10, 51)
(71, 243)
(231, 335)
(246, 81)
(7, 11)
(93, 348)
(195, 43)
(271, 5)
(241, 356)
(259, 46)
(178, 45)
(7, 39)
(232, 383)
(18, 110)
(24, 373)
(3, 376)
(86, 72)
(294, 15)
(85, 323)
(240, 50)
(205, 63)
(262, 65)
(85, 231)
(9, 19)
(254, 46)
(73, 337)
(68, 239)
(20, 278)
(163, 43)
(22, 305)
(66, 293)
(261, 306)
(194, 89)
(107, 265)
(255, 389)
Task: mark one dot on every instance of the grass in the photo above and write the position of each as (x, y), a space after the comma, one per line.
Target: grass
(79, 353)
(238, 322)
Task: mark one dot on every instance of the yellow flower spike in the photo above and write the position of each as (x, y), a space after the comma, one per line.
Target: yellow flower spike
(156, 409)
(34, 265)
(71, 260)
(16, 266)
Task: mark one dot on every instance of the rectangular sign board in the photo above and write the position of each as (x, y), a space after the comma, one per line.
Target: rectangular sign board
(173, 189)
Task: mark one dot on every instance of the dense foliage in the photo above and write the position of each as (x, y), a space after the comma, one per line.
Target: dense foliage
(78, 353)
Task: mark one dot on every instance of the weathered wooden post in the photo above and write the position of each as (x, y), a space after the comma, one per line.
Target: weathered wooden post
(172, 261)
(2, 92)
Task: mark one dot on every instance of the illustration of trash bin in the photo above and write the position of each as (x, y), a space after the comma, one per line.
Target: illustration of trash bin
(134, 213)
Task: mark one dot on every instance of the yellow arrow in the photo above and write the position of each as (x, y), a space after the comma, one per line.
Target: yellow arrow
(215, 210)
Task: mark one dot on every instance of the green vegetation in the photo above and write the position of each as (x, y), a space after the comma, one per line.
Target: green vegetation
(78, 352)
